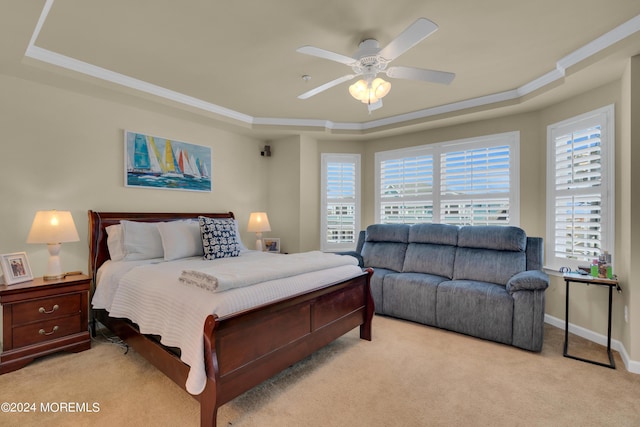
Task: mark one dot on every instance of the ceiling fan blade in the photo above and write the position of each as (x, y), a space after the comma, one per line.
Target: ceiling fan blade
(414, 34)
(326, 86)
(412, 73)
(326, 54)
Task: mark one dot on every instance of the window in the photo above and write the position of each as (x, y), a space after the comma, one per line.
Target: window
(406, 188)
(580, 188)
(340, 217)
(465, 182)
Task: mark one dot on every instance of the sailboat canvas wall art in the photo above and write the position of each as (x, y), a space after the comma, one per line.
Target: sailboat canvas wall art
(155, 162)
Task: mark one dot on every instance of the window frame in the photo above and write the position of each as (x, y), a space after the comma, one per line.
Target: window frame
(436, 150)
(327, 158)
(605, 117)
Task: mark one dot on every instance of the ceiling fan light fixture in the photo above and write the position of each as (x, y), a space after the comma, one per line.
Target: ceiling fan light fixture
(371, 60)
(369, 92)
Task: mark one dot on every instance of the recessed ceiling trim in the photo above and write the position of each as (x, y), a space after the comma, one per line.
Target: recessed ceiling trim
(604, 41)
(304, 123)
(69, 63)
(617, 34)
(540, 82)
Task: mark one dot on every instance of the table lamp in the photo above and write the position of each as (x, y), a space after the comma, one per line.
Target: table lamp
(53, 228)
(258, 222)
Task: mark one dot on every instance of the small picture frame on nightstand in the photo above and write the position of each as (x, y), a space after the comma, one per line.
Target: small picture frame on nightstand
(15, 268)
(272, 244)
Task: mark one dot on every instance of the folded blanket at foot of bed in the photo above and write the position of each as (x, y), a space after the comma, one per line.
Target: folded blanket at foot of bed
(222, 277)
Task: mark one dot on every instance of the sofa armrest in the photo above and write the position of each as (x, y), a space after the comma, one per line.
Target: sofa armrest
(530, 280)
(354, 254)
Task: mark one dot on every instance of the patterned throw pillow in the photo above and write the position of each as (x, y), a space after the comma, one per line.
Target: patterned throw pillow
(218, 237)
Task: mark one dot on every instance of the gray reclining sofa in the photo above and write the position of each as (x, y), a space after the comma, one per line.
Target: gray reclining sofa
(484, 281)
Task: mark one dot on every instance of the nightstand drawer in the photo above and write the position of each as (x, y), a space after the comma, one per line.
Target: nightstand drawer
(46, 309)
(47, 330)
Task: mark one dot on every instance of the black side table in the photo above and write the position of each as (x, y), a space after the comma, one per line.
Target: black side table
(589, 280)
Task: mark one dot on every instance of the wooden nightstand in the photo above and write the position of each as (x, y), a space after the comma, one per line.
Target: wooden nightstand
(42, 317)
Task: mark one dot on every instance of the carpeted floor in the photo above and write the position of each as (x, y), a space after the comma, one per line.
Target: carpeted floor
(409, 375)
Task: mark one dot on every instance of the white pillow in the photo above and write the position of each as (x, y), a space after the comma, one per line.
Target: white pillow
(238, 239)
(180, 239)
(115, 242)
(141, 240)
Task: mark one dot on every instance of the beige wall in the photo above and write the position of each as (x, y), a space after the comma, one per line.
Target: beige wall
(294, 193)
(309, 194)
(284, 192)
(629, 203)
(63, 150)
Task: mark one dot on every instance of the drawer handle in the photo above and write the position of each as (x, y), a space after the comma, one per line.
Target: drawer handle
(42, 332)
(43, 311)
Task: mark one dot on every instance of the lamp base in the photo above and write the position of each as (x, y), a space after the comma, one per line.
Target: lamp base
(259, 242)
(54, 269)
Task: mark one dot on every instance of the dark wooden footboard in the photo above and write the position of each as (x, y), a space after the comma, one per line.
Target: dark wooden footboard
(250, 347)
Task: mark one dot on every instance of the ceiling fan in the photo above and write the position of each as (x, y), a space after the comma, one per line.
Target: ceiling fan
(370, 60)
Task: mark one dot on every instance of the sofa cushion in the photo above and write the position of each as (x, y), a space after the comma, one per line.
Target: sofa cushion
(411, 296)
(480, 309)
(431, 249)
(498, 237)
(488, 265)
(384, 255)
(438, 234)
(385, 246)
(388, 233)
(430, 259)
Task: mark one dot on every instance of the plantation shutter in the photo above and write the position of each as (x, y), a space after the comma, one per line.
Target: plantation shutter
(578, 199)
(341, 187)
(467, 181)
(580, 189)
(406, 190)
(475, 186)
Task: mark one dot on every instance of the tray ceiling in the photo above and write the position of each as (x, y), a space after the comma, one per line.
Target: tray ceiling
(238, 61)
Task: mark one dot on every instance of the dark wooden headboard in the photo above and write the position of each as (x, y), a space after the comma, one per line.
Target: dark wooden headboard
(99, 221)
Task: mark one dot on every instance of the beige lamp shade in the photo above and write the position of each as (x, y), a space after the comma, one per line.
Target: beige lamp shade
(258, 222)
(53, 228)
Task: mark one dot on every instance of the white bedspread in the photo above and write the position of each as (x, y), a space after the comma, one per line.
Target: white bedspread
(150, 294)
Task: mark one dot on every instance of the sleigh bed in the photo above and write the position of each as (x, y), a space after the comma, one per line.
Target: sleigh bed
(244, 348)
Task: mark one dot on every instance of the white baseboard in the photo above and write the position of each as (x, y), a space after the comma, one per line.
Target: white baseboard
(631, 365)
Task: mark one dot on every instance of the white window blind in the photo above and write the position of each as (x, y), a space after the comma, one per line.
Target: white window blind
(580, 189)
(406, 189)
(475, 186)
(470, 181)
(340, 223)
